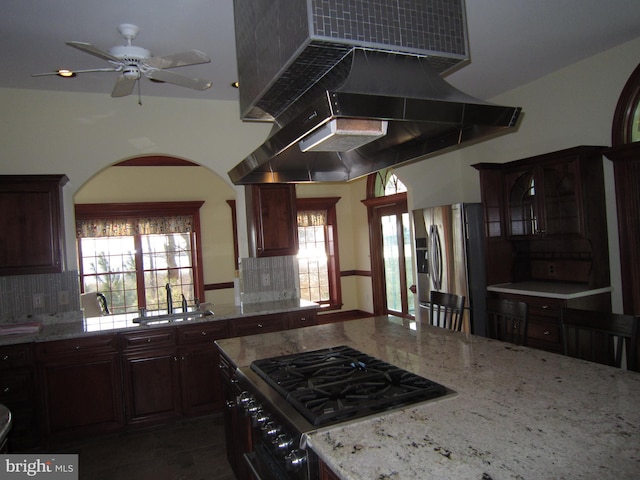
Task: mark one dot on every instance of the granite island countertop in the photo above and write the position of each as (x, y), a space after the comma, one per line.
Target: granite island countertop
(74, 325)
(519, 413)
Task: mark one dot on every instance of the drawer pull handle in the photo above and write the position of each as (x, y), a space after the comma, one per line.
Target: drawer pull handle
(77, 347)
(545, 307)
(204, 334)
(149, 340)
(5, 358)
(547, 332)
(303, 319)
(259, 325)
(6, 390)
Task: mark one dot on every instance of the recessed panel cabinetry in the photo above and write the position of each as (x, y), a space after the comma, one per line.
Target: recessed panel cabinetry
(31, 219)
(545, 218)
(272, 220)
(18, 393)
(80, 385)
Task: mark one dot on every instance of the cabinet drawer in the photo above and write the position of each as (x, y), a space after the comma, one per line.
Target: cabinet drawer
(203, 332)
(304, 318)
(16, 386)
(262, 324)
(13, 356)
(544, 332)
(151, 338)
(75, 346)
(544, 307)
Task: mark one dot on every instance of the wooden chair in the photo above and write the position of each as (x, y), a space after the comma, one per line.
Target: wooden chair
(600, 337)
(507, 320)
(445, 310)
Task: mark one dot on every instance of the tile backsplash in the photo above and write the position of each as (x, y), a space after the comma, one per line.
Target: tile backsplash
(265, 279)
(55, 292)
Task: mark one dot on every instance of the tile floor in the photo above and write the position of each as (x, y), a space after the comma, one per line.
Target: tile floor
(188, 450)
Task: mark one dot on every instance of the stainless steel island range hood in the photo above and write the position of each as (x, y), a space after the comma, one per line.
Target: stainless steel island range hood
(346, 107)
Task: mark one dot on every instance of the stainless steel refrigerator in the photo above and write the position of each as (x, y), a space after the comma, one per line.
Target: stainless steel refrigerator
(450, 258)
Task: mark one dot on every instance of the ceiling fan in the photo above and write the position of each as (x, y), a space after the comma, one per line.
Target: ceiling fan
(134, 62)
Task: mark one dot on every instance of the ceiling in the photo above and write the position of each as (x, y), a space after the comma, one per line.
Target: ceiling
(512, 42)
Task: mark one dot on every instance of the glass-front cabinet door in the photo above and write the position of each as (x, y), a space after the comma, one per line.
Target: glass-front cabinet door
(523, 215)
(561, 199)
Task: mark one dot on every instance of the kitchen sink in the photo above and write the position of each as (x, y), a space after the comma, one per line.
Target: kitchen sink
(172, 317)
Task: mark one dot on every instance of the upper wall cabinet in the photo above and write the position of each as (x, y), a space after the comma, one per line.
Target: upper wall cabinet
(272, 219)
(545, 199)
(31, 221)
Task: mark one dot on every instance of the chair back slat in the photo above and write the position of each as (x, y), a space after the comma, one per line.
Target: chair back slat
(445, 310)
(600, 337)
(507, 320)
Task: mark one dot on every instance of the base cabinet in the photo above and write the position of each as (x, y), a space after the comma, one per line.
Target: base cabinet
(150, 374)
(237, 426)
(80, 381)
(18, 394)
(544, 329)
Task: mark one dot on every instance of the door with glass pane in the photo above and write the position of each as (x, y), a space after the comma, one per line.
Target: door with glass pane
(397, 259)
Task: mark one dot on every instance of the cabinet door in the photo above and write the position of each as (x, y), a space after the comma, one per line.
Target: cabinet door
(275, 220)
(81, 395)
(200, 380)
(151, 385)
(31, 219)
(562, 205)
(523, 215)
(237, 426)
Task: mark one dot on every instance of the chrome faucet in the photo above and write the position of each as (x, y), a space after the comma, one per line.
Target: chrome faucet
(169, 299)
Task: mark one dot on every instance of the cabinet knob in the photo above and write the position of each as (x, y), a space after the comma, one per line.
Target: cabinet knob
(204, 334)
(303, 319)
(77, 347)
(149, 340)
(259, 325)
(5, 358)
(546, 307)
(547, 332)
(6, 390)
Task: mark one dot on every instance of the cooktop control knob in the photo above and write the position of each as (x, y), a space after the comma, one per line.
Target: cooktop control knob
(244, 398)
(296, 459)
(259, 418)
(270, 431)
(252, 407)
(283, 443)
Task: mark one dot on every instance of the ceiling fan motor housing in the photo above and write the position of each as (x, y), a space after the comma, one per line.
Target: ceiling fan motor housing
(130, 53)
(131, 72)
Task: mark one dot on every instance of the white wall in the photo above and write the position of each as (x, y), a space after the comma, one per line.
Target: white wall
(573, 106)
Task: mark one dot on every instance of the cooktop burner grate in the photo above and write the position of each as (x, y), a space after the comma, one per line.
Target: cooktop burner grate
(339, 383)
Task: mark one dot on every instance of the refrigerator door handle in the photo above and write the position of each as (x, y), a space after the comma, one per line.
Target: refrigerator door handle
(435, 253)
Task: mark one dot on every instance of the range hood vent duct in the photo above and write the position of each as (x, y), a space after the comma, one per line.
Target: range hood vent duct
(370, 108)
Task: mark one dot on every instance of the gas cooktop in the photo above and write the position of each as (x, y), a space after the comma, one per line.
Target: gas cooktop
(341, 383)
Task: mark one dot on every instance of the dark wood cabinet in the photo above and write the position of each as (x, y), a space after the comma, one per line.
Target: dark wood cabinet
(272, 220)
(18, 393)
(545, 218)
(626, 170)
(200, 381)
(150, 373)
(274, 322)
(544, 330)
(80, 384)
(237, 426)
(31, 219)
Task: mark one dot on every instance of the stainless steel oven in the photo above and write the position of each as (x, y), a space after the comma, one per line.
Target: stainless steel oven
(290, 395)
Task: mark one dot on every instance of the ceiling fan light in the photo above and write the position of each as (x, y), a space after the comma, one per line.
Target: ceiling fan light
(63, 72)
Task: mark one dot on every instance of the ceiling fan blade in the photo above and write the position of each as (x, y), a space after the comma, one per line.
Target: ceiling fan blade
(92, 50)
(123, 87)
(177, 79)
(79, 71)
(192, 57)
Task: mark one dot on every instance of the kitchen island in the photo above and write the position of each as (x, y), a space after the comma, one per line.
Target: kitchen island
(518, 412)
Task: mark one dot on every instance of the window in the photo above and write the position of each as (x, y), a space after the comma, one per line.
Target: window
(318, 251)
(130, 252)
